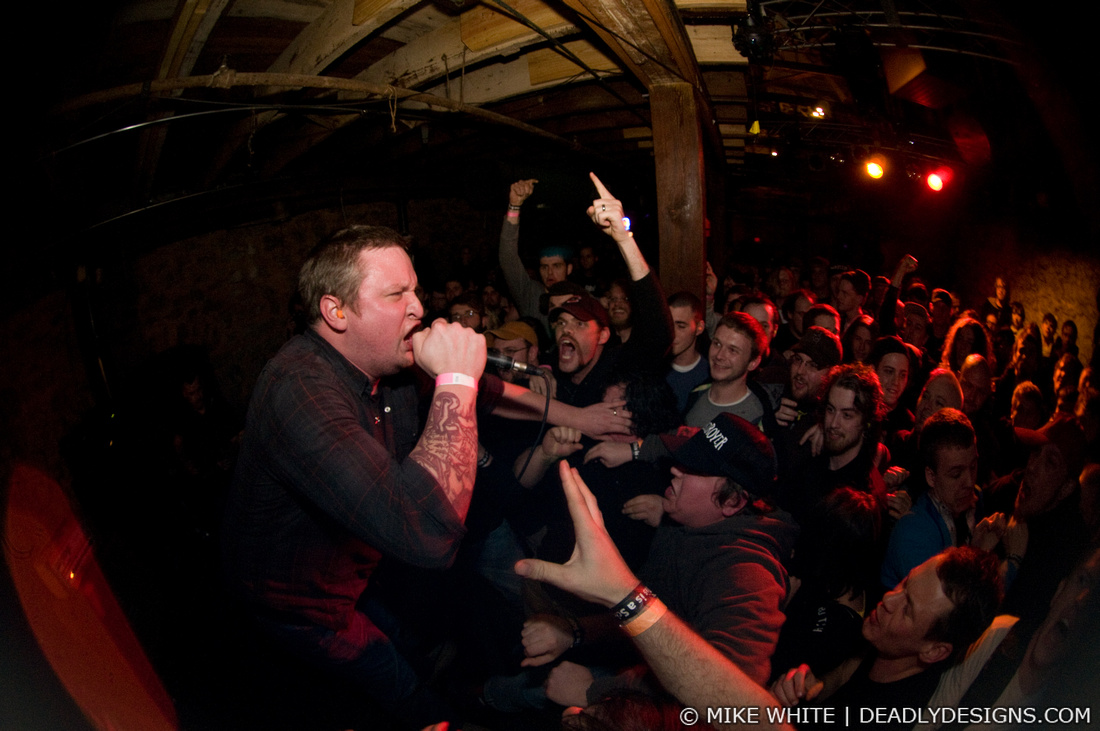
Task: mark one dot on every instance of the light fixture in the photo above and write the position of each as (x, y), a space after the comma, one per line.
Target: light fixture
(875, 167)
(938, 179)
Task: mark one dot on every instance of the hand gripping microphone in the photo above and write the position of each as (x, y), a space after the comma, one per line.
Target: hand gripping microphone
(497, 359)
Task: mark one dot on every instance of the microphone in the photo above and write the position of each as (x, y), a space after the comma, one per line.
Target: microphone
(497, 359)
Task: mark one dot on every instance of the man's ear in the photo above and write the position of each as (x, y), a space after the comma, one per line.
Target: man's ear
(532, 355)
(935, 651)
(930, 476)
(332, 312)
(605, 335)
(568, 269)
(755, 363)
(700, 326)
(734, 504)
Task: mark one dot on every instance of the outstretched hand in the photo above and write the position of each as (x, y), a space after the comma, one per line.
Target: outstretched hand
(596, 571)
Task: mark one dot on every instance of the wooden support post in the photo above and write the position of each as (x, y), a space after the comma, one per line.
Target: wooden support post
(681, 188)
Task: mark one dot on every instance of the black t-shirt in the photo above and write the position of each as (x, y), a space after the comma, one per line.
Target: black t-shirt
(862, 703)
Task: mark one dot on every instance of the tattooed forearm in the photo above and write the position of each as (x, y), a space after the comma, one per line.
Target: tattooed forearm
(448, 447)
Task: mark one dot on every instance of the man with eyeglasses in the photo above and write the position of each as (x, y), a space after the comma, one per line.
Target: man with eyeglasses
(466, 310)
(518, 341)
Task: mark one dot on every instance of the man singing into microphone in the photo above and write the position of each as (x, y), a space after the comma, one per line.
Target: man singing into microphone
(335, 473)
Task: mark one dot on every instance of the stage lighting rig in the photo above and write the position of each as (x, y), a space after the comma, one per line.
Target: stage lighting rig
(752, 37)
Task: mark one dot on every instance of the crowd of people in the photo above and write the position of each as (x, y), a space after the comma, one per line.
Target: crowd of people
(811, 488)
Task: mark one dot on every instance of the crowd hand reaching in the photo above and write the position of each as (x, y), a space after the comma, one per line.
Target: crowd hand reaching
(607, 212)
(605, 418)
(448, 347)
(1015, 537)
(796, 685)
(711, 282)
(898, 503)
(895, 476)
(647, 508)
(907, 265)
(815, 435)
(545, 637)
(568, 684)
(560, 442)
(612, 454)
(520, 191)
(989, 531)
(540, 385)
(787, 411)
(596, 571)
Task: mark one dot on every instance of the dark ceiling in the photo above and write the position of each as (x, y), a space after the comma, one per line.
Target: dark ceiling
(173, 116)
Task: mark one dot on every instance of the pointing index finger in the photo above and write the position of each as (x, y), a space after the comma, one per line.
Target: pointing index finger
(600, 187)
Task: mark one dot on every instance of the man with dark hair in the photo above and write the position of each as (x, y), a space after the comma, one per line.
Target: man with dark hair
(688, 369)
(943, 316)
(586, 353)
(850, 415)
(822, 315)
(1019, 318)
(619, 310)
(467, 310)
(915, 633)
(810, 362)
(945, 515)
(773, 370)
(793, 310)
(763, 310)
(335, 471)
(893, 364)
(851, 294)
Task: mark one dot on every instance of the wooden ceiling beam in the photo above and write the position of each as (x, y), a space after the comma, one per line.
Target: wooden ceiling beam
(343, 24)
(458, 43)
(191, 27)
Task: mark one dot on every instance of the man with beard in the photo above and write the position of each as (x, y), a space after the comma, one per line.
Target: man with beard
(586, 355)
(851, 412)
(946, 515)
(811, 358)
